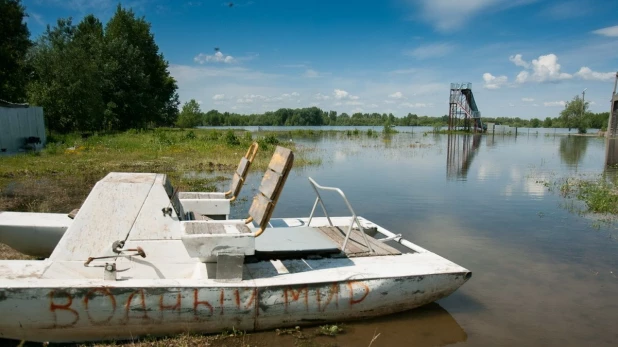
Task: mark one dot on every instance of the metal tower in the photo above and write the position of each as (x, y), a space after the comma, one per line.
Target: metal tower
(463, 112)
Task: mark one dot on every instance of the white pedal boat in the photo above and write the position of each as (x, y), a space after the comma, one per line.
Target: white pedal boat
(149, 272)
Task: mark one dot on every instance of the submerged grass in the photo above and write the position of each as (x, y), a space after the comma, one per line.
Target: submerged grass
(600, 195)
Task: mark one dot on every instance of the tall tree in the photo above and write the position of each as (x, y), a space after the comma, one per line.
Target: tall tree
(190, 116)
(143, 91)
(574, 114)
(67, 79)
(14, 45)
(91, 78)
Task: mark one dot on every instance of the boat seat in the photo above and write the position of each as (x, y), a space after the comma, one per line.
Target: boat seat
(217, 204)
(224, 241)
(294, 242)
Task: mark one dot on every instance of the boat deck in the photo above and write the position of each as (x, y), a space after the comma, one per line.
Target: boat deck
(356, 244)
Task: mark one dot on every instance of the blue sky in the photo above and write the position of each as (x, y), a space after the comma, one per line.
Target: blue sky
(525, 58)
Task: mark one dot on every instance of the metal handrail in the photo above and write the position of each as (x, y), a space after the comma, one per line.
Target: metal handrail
(316, 186)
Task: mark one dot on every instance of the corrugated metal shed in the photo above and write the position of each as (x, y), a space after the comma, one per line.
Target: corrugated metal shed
(18, 123)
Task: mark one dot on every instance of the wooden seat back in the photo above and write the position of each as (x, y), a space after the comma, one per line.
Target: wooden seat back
(240, 175)
(270, 189)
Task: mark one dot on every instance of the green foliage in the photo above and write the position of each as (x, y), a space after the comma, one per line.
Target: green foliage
(190, 136)
(388, 128)
(88, 77)
(231, 139)
(547, 123)
(574, 114)
(267, 141)
(599, 196)
(190, 116)
(14, 45)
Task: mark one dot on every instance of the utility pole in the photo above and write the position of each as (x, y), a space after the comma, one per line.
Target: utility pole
(583, 105)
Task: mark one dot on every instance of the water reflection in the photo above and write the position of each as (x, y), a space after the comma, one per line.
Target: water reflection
(611, 152)
(573, 149)
(461, 150)
(430, 325)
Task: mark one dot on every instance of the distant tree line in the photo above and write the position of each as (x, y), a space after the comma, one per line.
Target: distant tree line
(88, 76)
(192, 116)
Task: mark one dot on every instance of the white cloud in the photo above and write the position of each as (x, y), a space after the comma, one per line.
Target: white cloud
(404, 71)
(609, 31)
(448, 15)
(414, 105)
(218, 97)
(341, 94)
(511, 104)
(321, 96)
(518, 61)
(587, 74)
(389, 101)
(396, 95)
(567, 9)
(493, 82)
(554, 103)
(311, 74)
(36, 17)
(544, 69)
(354, 102)
(434, 50)
(527, 99)
(218, 57)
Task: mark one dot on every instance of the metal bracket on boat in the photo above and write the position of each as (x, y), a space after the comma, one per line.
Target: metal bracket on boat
(117, 248)
(318, 199)
(390, 238)
(110, 272)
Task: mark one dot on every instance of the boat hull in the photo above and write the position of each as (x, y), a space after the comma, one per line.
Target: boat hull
(94, 313)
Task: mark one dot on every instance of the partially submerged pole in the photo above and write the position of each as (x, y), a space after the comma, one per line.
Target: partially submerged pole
(612, 124)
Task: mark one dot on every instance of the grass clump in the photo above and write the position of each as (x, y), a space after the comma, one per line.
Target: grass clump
(600, 196)
(330, 330)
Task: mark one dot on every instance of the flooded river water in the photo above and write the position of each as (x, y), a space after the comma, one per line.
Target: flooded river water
(542, 275)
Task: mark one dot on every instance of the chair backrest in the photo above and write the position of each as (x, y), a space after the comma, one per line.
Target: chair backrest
(272, 184)
(241, 172)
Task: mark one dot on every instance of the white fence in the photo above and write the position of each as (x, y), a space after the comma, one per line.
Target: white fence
(17, 125)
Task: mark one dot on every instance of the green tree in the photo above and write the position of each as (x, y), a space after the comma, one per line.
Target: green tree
(535, 123)
(14, 45)
(547, 123)
(190, 116)
(67, 79)
(573, 115)
(142, 92)
(91, 78)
